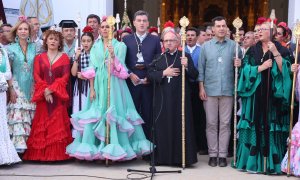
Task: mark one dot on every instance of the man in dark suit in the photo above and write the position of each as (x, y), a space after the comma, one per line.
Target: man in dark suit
(141, 49)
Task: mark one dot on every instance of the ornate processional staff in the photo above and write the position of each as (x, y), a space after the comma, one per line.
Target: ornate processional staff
(118, 20)
(111, 22)
(184, 22)
(297, 36)
(237, 23)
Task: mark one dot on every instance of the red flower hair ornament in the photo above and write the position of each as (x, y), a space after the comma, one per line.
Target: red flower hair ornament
(153, 29)
(169, 24)
(87, 29)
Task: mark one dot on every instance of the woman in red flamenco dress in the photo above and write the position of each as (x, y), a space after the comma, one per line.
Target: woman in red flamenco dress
(50, 132)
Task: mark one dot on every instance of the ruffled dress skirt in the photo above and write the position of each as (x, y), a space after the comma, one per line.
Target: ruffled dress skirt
(294, 154)
(8, 153)
(250, 157)
(127, 139)
(19, 117)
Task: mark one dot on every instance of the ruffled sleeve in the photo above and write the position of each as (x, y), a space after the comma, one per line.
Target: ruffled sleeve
(282, 81)
(118, 70)
(11, 55)
(40, 85)
(7, 74)
(88, 72)
(59, 86)
(249, 78)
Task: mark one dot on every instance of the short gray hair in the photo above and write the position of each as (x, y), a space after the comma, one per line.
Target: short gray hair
(167, 30)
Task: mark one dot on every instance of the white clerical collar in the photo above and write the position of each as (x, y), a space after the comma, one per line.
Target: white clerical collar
(141, 37)
(191, 49)
(173, 52)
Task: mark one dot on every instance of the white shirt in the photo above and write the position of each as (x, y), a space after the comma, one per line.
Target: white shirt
(191, 49)
(141, 37)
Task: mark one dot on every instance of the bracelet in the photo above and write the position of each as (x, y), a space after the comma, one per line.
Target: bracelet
(278, 55)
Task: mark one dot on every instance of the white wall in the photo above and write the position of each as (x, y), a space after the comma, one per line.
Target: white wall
(294, 12)
(69, 9)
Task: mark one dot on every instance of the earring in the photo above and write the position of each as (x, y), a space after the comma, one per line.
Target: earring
(17, 38)
(28, 40)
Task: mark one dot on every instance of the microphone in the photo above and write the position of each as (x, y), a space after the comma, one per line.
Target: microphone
(166, 51)
(159, 57)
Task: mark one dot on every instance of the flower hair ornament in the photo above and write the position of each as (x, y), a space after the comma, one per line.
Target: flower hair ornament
(87, 29)
(169, 24)
(55, 28)
(153, 29)
(261, 20)
(103, 18)
(22, 18)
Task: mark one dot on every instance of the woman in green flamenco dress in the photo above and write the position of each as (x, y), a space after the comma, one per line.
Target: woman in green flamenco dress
(127, 139)
(262, 134)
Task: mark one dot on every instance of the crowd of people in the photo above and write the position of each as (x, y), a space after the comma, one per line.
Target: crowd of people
(57, 98)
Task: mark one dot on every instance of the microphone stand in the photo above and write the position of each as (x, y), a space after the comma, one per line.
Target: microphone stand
(152, 168)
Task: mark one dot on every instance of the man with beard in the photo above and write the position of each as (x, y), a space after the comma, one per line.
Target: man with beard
(216, 76)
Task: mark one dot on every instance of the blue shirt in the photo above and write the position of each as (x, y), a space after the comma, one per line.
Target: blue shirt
(70, 51)
(215, 66)
(195, 54)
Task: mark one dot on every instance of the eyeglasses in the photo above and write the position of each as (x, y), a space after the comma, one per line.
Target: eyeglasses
(247, 37)
(169, 40)
(263, 29)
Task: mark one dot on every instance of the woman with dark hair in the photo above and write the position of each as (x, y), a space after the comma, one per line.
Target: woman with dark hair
(51, 132)
(281, 35)
(81, 61)
(264, 87)
(20, 110)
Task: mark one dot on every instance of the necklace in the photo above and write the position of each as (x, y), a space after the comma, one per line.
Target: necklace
(51, 62)
(139, 55)
(169, 77)
(220, 52)
(24, 52)
(262, 59)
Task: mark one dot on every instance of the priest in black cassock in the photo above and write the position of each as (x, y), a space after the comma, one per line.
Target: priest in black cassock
(165, 72)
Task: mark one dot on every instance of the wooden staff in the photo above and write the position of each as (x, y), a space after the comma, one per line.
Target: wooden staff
(184, 22)
(266, 123)
(297, 36)
(237, 23)
(158, 25)
(111, 22)
(79, 85)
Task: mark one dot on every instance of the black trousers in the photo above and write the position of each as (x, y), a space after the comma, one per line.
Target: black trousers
(199, 118)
